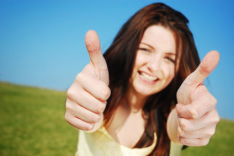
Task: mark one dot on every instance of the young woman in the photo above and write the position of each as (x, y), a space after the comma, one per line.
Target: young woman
(147, 92)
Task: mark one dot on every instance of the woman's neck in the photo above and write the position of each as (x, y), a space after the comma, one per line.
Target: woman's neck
(134, 102)
(128, 121)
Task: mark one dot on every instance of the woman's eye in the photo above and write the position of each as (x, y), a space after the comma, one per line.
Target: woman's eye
(170, 59)
(144, 49)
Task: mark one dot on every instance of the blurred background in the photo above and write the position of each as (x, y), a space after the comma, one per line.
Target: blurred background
(42, 41)
(42, 45)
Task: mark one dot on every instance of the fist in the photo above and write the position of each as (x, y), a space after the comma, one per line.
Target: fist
(196, 108)
(195, 117)
(86, 97)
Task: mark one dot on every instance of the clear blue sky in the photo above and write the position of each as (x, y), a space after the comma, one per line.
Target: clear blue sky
(42, 41)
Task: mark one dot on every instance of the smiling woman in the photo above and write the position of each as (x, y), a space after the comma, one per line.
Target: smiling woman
(136, 99)
(154, 64)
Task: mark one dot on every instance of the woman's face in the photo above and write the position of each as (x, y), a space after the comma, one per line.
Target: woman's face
(155, 62)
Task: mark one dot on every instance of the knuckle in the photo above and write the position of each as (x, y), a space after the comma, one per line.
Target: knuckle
(84, 126)
(69, 106)
(71, 93)
(74, 93)
(77, 122)
(100, 108)
(88, 127)
(211, 133)
(79, 77)
(204, 142)
(216, 120)
(215, 101)
(192, 113)
(67, 117)
(209, 100)
(95, 118)
(106, 93)
(69, 89)
(215, 117)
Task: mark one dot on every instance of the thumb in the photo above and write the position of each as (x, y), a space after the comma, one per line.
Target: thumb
(96, 58)
(207, 65)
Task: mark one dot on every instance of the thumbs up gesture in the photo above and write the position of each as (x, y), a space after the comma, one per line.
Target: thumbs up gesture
(86, 98)
(195, 112)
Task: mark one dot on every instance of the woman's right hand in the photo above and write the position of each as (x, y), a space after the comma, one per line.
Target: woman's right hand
(87, 96)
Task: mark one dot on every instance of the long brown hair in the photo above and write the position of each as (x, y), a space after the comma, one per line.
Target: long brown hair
(120, 58)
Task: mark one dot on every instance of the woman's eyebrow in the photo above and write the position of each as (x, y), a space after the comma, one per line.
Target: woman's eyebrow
(150, 46)
(171, 53)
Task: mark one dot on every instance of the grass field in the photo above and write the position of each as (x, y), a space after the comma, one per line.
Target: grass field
(32, 124)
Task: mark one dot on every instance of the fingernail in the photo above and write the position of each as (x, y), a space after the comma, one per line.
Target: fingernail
(91, 126)
(180, 131)
(194, 114)
(183, 124)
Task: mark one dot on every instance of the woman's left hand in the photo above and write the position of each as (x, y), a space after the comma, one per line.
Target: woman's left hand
(197, 116)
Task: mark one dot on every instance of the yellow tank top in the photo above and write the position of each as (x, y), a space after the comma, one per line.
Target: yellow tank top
(100, 143)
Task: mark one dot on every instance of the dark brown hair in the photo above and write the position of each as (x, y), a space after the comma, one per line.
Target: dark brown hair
(120, 58)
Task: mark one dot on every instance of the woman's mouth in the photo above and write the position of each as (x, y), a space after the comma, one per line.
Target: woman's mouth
(148, 78)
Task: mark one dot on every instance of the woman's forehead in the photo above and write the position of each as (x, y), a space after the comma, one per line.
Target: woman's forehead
(159, 38)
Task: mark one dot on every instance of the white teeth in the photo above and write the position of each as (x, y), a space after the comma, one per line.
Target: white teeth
(148, 77)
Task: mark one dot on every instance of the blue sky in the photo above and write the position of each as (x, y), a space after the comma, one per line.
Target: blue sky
(42, 41)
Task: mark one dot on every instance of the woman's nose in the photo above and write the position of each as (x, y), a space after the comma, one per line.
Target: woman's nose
(154, 63)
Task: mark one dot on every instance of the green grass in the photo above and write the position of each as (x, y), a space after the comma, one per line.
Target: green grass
(221, 144)
(32, 123)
